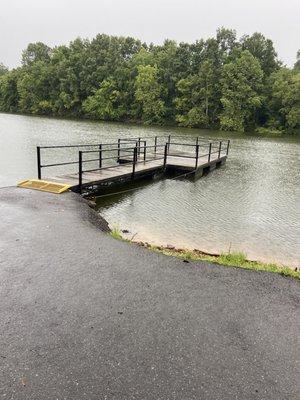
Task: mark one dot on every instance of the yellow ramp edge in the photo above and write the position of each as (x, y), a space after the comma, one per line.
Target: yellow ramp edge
(44, 186)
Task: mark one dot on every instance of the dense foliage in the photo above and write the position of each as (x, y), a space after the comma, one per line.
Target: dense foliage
(220, 82)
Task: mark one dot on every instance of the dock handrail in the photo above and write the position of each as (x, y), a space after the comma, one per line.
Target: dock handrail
(76, 145)
(134, 161)
(198, 146)
(40, 165)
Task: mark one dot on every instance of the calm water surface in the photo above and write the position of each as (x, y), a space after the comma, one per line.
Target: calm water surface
(251, 204)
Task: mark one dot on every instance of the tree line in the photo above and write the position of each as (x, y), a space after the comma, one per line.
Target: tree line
(222, 83)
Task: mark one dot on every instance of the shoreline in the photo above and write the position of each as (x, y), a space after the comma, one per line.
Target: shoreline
(230, 259)
(216, 251)
(170, 126)
(258, 263)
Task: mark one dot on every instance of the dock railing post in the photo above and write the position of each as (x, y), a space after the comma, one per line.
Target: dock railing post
(220, 149)
(135, 151)
(80, 172)
(197, 155)
(227, 150)
(139, 144)
(119, 145)
(165, 155)
(155, 144)
(145, 147)
(100, 155)
(209, 152)
(38, 154)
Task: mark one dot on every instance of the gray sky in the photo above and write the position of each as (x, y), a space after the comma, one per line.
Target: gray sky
(59, 21)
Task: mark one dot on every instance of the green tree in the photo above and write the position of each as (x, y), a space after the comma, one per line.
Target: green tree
(284, 101)
(107, 103)
(8, 91)
(262, 49)
(148, 92)
(34, 85)
(36, 52)
(195, 97)
(103, 56)
(3, 69)
(241, 84)
(226, 39)
(297, 63)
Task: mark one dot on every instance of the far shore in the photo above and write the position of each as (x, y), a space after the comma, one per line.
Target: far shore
(263, 133)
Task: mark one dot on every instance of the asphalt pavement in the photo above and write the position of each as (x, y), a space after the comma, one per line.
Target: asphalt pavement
(85, 316)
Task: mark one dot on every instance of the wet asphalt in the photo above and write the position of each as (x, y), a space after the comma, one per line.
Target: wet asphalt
(84, 316)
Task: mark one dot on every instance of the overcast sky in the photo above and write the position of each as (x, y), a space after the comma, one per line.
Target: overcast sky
(59, 21)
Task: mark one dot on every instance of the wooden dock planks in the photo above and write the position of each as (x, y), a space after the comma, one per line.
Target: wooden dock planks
(125, 170)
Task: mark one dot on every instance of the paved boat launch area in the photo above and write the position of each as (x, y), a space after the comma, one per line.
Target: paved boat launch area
(85, 316)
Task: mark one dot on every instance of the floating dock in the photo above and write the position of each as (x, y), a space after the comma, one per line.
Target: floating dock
(90, 167)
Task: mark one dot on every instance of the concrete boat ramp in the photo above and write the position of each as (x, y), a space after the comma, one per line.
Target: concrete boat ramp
(86, 317)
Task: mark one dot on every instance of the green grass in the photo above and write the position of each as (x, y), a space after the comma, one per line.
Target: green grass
(234, 259)
(231, 260)
(116, 233)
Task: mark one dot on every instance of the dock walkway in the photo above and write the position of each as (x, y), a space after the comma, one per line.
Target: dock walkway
(130, 159)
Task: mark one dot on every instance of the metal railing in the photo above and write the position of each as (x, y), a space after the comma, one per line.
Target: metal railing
(222, 146)
(133, 159)
(41, 165)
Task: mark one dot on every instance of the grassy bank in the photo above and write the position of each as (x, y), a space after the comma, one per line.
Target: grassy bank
(238, 260)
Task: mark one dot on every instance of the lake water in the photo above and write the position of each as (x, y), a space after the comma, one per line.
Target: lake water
(251, 204)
